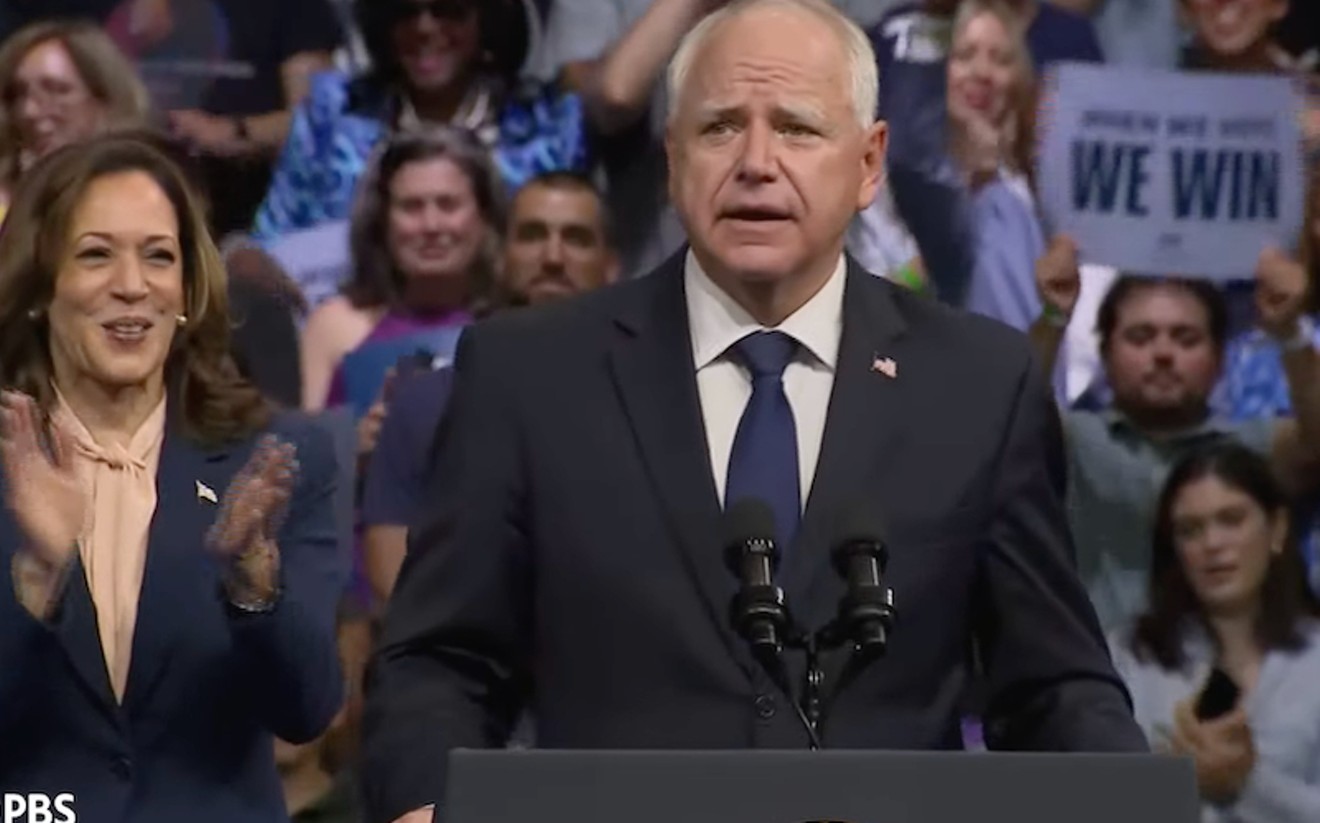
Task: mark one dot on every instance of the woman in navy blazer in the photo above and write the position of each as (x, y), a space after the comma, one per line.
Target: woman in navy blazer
(158, 628)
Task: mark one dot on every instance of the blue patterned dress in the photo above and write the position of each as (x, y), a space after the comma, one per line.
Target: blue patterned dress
(1254, 385)
(335, 129)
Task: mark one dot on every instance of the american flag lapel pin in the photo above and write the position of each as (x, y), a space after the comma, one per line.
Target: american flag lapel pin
(884, 365)
(205, 492)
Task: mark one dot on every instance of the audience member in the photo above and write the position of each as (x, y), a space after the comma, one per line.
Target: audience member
(556, 244)
(911, 45)
(1242, 36)
(425, 241)
(228, 74)
(990, 105)
(433, 62)
(1162, 342)
(1228, 598)
(156, 511)
(60, 82)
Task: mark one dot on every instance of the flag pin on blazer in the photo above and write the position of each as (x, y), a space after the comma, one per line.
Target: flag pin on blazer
(885, 366)
(205, 492)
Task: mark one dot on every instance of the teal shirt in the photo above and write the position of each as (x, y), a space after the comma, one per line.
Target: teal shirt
(1116, 474)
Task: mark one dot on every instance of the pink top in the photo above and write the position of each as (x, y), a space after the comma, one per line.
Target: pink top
(121, 490)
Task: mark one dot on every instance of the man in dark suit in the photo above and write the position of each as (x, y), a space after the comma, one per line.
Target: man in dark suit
(571, 556)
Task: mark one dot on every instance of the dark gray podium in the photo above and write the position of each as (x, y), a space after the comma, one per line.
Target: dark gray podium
(795, 787)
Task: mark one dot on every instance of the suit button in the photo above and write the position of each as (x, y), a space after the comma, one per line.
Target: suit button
(123, 768)
(765, 706)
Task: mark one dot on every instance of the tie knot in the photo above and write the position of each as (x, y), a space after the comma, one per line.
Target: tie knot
(766, 353)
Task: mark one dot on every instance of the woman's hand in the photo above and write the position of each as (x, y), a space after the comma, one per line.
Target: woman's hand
(251, 514)
(46, 494)
(1223, 748)
(978, 145)
(47, 498)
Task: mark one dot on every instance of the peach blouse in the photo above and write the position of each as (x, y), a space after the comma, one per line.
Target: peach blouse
(121, 487)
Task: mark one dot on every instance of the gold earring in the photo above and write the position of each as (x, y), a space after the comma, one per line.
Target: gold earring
(181, 319)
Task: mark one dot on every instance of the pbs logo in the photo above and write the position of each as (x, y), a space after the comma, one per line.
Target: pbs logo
(39, 808)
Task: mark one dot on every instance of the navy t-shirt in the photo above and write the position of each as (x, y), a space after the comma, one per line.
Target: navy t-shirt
(399, 468)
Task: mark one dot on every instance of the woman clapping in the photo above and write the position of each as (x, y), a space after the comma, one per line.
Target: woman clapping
(170, 542)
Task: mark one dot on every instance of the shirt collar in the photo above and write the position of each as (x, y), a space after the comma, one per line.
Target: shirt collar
(1211, 426)
(716, 321)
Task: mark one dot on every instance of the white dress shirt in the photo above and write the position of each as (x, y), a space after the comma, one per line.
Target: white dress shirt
(724, 386)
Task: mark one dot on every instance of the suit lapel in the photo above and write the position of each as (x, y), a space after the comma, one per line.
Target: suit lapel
(653, 371)
(78, 631)
(177, 535)
(866, 411)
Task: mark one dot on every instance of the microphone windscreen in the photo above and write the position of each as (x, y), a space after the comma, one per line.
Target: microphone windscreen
(748, 519)
(862, 523)
(861, 526)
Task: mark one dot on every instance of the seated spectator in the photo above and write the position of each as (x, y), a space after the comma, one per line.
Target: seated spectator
(1227, 594)
(424, 240)
(433, 63)
(60, 83)
(911, 45)
(557, 244)
(1162, 343)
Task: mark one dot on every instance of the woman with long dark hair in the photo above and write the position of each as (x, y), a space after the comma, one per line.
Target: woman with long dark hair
(1224, 664)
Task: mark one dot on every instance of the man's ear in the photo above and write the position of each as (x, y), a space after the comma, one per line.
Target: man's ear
(873, 163)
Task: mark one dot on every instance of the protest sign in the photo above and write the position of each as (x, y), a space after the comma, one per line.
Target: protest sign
(1159, 172)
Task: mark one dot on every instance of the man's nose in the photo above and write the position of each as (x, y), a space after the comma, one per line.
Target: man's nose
(757, 162)
(552, 253)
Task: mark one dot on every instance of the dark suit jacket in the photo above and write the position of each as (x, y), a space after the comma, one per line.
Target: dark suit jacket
(207, 686)
(571, 553)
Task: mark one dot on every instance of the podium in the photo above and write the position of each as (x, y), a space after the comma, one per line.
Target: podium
(799, 786)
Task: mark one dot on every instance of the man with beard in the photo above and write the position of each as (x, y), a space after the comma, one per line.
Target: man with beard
(556, 244)
(1162, 345)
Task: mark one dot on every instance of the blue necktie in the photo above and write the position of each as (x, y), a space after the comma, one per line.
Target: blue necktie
(764, 460)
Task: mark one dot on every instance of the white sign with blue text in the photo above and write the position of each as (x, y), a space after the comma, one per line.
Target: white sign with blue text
(1158, 172)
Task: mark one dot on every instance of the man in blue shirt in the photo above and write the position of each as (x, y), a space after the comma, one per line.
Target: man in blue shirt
(556, 244)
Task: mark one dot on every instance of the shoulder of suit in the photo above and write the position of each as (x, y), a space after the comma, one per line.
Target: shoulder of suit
(980, 336)
(575, 317)
(309, 435)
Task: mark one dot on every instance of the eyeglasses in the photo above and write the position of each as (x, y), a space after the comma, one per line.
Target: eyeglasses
(407, 10)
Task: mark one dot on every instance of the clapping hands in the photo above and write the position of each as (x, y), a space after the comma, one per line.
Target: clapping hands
(46, 496)
(251, 514)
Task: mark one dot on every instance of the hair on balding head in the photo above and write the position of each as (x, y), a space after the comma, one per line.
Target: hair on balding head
(864, 79)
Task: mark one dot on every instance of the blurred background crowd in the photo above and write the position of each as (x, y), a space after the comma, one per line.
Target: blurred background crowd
(382, 173)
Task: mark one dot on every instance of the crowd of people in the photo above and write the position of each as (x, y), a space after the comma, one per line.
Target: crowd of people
(242, 244)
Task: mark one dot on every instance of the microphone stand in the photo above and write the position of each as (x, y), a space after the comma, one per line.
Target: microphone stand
(869, 641)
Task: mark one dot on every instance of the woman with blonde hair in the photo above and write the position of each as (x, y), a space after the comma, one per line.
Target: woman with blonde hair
(168, 562)
(61, 82)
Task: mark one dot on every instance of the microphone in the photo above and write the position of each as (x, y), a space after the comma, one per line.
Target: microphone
(866, 613)
(758, 613)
